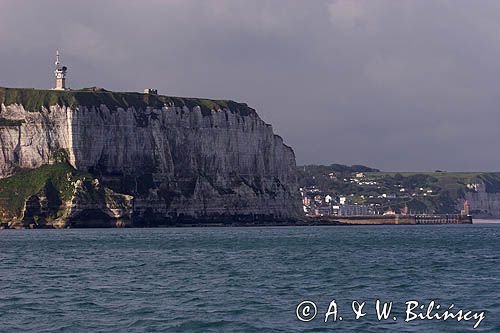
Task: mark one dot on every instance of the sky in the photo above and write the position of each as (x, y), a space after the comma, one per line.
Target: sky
(406, 85)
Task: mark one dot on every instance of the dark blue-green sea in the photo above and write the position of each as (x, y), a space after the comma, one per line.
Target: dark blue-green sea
(246, 279)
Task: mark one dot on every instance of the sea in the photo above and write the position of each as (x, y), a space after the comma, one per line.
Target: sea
(250, 279)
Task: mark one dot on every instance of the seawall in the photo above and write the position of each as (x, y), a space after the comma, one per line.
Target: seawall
(398, 219)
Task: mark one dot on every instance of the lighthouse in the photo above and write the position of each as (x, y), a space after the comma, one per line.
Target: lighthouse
(466, 211)
(60, 74)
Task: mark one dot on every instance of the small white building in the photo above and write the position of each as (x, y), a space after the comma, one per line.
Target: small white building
(151, 91)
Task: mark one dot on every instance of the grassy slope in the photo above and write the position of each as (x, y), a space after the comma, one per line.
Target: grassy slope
(452, 180)
(456, 175)
(10, 122)
(15, 190)
(34, 99)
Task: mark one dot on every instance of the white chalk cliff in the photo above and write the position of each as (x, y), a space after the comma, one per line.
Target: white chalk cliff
(164, 158)
(483, 204)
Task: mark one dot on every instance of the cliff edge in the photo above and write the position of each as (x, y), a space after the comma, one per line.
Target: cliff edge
(98, 158)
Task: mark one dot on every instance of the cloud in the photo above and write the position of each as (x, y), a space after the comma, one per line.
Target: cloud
(398, 85)
(346, 13)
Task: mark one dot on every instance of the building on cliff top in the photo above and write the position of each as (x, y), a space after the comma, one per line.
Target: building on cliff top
(151, 91)
(60, 74)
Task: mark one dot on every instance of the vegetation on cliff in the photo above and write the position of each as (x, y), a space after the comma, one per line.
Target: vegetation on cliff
(10, 122)
(35, 99)
(54, 181)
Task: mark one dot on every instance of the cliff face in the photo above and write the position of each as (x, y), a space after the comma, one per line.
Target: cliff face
(483, 204)
(142, 158)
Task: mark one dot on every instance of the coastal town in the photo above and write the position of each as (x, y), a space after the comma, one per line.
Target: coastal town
(343, 191)
(317, 202)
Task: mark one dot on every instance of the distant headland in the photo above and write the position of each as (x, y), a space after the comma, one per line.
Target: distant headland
(346, 191)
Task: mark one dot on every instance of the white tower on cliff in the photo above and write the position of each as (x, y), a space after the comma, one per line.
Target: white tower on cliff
(60, 74)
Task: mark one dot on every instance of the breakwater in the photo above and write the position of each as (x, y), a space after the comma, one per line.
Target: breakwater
(400, 219)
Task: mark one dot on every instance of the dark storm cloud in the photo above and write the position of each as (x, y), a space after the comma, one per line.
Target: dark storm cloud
(398, 85)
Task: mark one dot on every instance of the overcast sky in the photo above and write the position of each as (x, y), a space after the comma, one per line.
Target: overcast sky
(397, 85)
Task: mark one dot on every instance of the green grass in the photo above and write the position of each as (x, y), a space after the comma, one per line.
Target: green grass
(454, 181)
(10, 123)
(463, 175)
(34, 99)
(15, 190)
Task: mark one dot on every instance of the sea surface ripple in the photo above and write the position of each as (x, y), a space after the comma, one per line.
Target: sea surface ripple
(244, 279)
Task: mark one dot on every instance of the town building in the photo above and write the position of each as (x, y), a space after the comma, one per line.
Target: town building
(325, 210)
(390, 211)
(353, 210)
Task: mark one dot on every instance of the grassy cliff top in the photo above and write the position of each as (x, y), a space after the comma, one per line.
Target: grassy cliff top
(35, 99)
